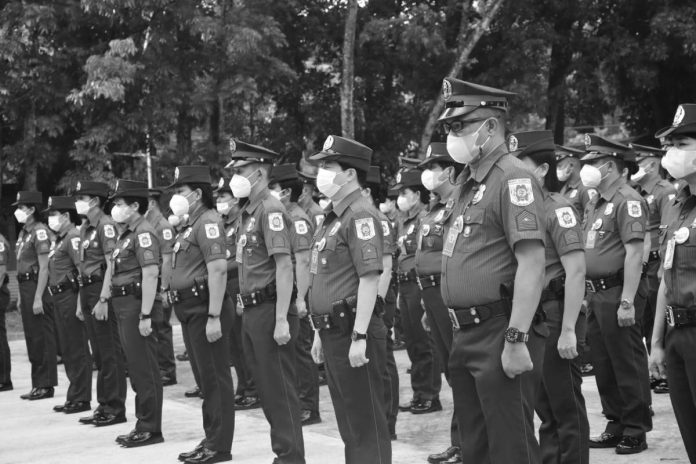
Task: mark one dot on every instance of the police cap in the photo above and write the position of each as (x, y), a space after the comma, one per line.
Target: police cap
(345, 151)
(463, 97)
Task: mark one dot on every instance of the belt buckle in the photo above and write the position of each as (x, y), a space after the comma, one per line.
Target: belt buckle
(240, 301)
(669, 317)
(453, 318)
(589, 285)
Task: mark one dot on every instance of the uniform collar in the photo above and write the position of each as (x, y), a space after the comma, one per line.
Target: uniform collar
(483, 167)
(574, 185)
(252, 205)
(348, 200)
(650, 185)
(193, 217)
(612, 189)
(415, 211)
(30, 228)
(683, 195)
(135, 224)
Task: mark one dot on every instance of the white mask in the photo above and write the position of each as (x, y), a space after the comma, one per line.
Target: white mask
(563, 174)
(240, 186)
(275, 194)
(385, 208)
(324, 203)
(326, 182)
(591, 176)
(403, 203)
(82, 207)
(463, 149)
(21, 216)
(174, 220)
(431, 179)
(679, 163)
(179, 204)
(639, 175)
(120, 213)
(54, 223)
(223, 207)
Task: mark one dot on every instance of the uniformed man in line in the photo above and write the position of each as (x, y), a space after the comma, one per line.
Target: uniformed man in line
(197, 292)
(568, 173)
(492, 278)
(615, 227)
(565, 430)
(229, 208)
(426, 378)
(439, 176)
(306, 199)
(98, 235)
(33, 246)
(674, 349)
(395, 332)
(266, 280)
(63, 286)
(350, 336)
(5, 359)
(374, 192)
(135, 272)
(163, 329)
(286, 186)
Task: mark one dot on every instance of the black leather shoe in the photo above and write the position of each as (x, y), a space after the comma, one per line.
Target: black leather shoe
(109, 419)
(587, 369)
(194, 393)
(322, 379)
(426, 406)
(80, 406)
(189, 454)
(631, 445)
(605, 440)
(661, 387)
(392, 436)
(407, 406)
(61, 407)
(168, 381)
(445, 456)
(26, 396)
(209, 456)
(42, 394)
(399, 345)
(6, 387)
(142, 439)
(183, 357)
(121, 438)
(248, 402)
(87, 420)
(310, 417)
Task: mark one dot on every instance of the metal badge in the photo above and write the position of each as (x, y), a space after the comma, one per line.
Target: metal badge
(479, 194)
(188, 232)
(177, 245)
(467, 231)
(410, 229)
(609, 209)
(243, 240)
(458, 223)
(597, 224)
(321, 244)
(425, 230)
(681, 235)
(250, 226)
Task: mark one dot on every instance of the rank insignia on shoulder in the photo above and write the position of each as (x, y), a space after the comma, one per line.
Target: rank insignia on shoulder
(634, 209)
(365, 228)
(144, 240)
(212, 231)
(275, 221)
(450, 203)
(109, 231)
(521, 193)
(566, 218)
(573, 193)
(440, 215)
(187, 233)
(301, 227)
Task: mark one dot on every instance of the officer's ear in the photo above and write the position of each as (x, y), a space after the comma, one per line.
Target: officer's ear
(543, 169)
(366, 192)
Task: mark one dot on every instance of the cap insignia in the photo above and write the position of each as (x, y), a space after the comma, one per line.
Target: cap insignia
(233, 145)
(512, 143)
(446, 89)
(429, 153)
(176, 174)
(328, 143)
(678, 116)
(79, 185)
(588, 141)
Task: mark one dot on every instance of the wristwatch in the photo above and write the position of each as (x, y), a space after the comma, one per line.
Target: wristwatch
(513, 335)
(355, 336)
(103, 299)
(213, 316)
(626, 303)
(144, 316)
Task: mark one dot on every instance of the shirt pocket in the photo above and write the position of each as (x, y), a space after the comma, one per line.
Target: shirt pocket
(333, 255)
(472, 235)
(433, 239)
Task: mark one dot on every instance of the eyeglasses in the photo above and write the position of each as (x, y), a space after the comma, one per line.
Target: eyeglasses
(459, 125)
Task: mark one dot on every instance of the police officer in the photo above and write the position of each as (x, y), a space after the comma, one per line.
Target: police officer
(197, 291)
(163, 328)
(568, 173)
(439, 177)
(674, 352)
(287, 187)
(345, 267)
(98, 236)
(426, 379)
(306, 199)
(63, 286)
(615, 226)
(33, 246)
(494, 241)
(135, 271)
(565, 430)
(5, 360)
(266, 279)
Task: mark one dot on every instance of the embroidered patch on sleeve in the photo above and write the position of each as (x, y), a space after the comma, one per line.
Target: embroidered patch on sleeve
(301, 227)
(75, 242)
(215, 249)
(212, 231)
(521, 193)
(109, 231)
(566, 218)
(526, 221)
(275, 221)
(369, 252)
(167, 234)
(41, 235)
(634, 209)
(571, 237)
(144, 240)
(636, 227)
(148, 255)
(365, 229)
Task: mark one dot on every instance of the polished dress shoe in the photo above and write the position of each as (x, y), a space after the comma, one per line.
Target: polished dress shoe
(61, 407)
(445, 456)
(109, 419)
(189, 454)
(6, 387)
(631, 445)
(310, 417)
(605, 440)
(182, 357)
(87, 420)
(322, 379)
(42, 394)
(26, 396)
(407, 406)
(209, 456)
(168, 381)
(248, 402)
(122, 438)
(142, 439)
(661, 387)
(80, 406)
(194, 393)
(426, 406)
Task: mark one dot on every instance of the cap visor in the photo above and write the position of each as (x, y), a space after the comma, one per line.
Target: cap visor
(593, 156)
(664, 132)
(323, 155)
(455, 112)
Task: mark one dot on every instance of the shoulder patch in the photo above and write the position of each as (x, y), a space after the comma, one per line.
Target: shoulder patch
(109, 231)
(167, 234)
(144, 240)
(301, 227)
(41, 234)
(212, 230)
(365, 228)
(521, 193)
(566, 218)
(634, 209)
(275, 221)
(75, 242)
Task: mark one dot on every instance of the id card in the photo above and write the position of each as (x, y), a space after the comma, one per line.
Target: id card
(314, 262)
(451, 242)
(591, 239)
(239, 252)
(669, 254)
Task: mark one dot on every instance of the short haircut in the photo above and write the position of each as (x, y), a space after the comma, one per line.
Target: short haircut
(207, 193)
(74, 217)
(551, 182)
(295, 186)
(362, 175)
(458, 168)
(423, 193)
(142, 203)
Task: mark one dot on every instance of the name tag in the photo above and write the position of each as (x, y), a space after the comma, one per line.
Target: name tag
(451, 242)
(669, 254)
(314, 262)
(591, 239)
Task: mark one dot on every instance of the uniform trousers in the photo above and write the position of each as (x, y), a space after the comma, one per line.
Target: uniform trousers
(650, 284)
(273, 369)
(441, 332)
(306, 369)
(680, 356)
(426, 377)
(165, 342)
(621, 365)
(245, 383)
(213, 362)
(107, 353)
(40, 337)
(5, 360)
(564, 431)
(495, 413)
(141, 358)
(391, 373)
(358, 396)
(73, 338)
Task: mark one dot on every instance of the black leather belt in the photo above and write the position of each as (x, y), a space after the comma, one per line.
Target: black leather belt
(249, 300)
(178, 296)
(59, 288)
(429, 281)
(597, 285)
(680, 317)
(134, 288)
(554, 291)
(322, 322)
(27, 276)
(89, 280)
(654, 256)
(462, 317)
(409, 276)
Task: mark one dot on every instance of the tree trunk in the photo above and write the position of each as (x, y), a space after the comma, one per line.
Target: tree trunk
(469, 35)
(30, 168)
(183, 134)
(347, 82)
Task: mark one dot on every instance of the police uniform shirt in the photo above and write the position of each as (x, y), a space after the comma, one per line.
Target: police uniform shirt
(614, 219)
(98, 242)
(302, 230)
(33, 240)
(137, 247)
(430, 237)
(315, 212)
(4, 251)
(679, 257)
(407, 231)
(388, 231)
(347, 246)
(230, 225)
(659, 194)
(500, 204)
(64, 257)
(199, 243)
(563, 233)
(263, 231)
(579, 195)
(164, 230)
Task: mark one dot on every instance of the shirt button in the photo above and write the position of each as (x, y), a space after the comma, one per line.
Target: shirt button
(468, 218)
(472, 311)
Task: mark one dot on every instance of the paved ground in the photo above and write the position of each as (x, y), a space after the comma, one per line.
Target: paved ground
(31, 432)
